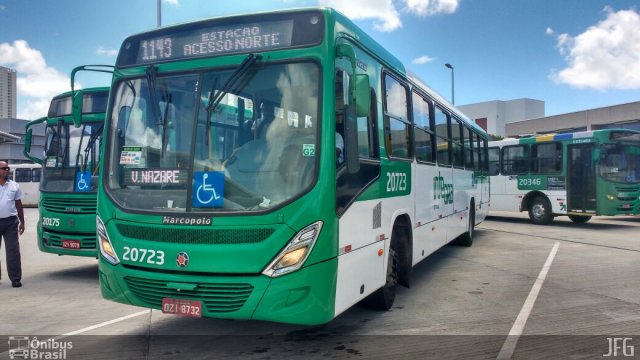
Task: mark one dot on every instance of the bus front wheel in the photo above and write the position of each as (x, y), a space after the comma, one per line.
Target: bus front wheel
(383, 298)
(579, 219)
(540, 211)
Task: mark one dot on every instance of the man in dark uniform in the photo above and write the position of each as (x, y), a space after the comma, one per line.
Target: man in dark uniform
(11, 223)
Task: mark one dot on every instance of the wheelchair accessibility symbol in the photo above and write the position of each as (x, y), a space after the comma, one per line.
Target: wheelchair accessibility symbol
(208, 189)
(83, 181)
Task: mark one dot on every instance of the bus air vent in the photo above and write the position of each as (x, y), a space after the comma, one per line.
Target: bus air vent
(196, 236)
(215, 297)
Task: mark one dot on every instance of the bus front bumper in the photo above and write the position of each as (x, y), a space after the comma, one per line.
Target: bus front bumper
(54, 242)
(302, 297)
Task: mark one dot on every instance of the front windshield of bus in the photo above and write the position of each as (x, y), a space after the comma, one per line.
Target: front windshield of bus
(71, 154)
(173, 148)
(620, 163)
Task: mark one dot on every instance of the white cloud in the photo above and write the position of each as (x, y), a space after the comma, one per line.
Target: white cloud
(107, 52)
(175, 3)
(605, 56)
(385, 13)
(549, 31)
(432, 7)
(422, 60)
(36, 80)
(34, 109)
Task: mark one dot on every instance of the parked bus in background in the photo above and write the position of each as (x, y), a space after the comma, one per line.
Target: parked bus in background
(28, 177)
(70, 171)
(323, 190)
(575, 174)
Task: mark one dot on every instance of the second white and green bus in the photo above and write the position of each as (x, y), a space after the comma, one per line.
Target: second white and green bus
(578, 175)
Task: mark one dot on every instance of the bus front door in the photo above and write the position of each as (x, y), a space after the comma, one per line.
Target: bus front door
(581, 174)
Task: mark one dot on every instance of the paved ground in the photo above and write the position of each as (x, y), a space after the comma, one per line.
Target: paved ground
(462, 304)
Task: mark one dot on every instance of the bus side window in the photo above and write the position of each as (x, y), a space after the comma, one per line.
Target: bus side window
(546, 158)
(35, 175)
(398, 129)
(515, 160)
(22, 175)
(494, 161)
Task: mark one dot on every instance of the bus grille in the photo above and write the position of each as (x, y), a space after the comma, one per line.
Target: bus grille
(87, 242)
(70, 205)
(628, 192)
(195, 236)
(216, 298)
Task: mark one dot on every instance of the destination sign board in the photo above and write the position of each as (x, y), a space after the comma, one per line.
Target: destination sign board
(236, 35)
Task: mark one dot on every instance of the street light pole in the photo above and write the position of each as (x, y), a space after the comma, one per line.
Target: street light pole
(159, 13)
(453, 99)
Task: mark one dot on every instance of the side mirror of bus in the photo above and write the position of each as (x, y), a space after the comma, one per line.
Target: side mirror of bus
(76, 109)
(27, 140)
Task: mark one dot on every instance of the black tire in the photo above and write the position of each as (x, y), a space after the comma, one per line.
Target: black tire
(579, 219)
(540, 211)
(383, 298)
(466, 239)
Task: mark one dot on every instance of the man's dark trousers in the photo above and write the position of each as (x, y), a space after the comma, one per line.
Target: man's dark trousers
(9, 232)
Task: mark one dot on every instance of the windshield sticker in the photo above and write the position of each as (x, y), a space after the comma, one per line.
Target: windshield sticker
(208, 189)
(131, 155)
(307, 122)
(51, 161)
(278, 112)
(134, 177)
(292, 119)
(83, 181)
(308, 149)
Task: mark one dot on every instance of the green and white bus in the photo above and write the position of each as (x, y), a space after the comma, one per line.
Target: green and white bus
(574, 174)
(69, 183)
(327, 194)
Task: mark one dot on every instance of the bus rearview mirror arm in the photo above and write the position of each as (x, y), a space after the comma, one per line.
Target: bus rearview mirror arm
(27, 140)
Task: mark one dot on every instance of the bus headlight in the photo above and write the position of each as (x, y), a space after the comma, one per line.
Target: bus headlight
(106, 249)
(611, 197)
(295, 253)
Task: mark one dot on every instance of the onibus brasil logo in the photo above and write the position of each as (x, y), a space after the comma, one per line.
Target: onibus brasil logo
(25, 347)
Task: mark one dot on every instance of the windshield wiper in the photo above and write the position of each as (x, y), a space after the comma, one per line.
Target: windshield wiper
(216, 97)
(78, 165)
(165, 123)
(151, 72)
(161, 118)
(89, 147)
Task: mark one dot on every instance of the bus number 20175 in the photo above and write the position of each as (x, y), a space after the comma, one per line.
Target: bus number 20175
(396, 181)
(149, 256)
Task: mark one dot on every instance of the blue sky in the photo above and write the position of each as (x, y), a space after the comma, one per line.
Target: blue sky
(572, 54)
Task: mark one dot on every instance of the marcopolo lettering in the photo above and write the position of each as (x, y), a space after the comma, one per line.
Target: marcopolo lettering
(175, 220)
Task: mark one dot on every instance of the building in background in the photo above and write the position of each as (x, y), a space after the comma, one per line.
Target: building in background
(626, 116)
(8, 93)
(493, 116)
(12, 134)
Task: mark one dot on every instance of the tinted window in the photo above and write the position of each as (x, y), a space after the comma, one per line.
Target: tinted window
(442, 136)
(515, 160)
(494, 161)
(424, 138)
(546, 158)
(398, 129)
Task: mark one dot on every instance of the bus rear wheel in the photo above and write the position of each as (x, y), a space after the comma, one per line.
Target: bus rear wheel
(466, 239)
(579, 219)
(540, 211)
